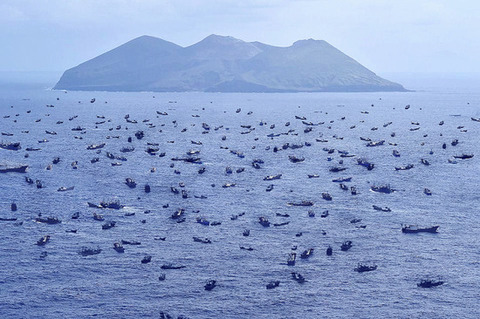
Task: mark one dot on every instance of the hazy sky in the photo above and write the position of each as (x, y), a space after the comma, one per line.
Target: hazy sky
(383, 35)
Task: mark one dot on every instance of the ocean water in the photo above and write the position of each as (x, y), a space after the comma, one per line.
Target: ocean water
(65, 284)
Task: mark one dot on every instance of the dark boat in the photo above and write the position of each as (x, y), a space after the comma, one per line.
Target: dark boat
(272, 177)
(396, 153)
(246, 232)
(424, 162)
(295, 159)
(147, 188)
(382, 189)
(146, 259)
(170, 266)
(48, 220)
(76, 215)
(346, 245)
(108, 225)
(329, 251)
(365, 268)
(95, 146)
(202, 240)
(342, 180)
(416, 229)
(118, 247)
(427, 192)
(463, 156)
(210, 285)
(426, 283)
(365, 163)
(13, 168)
(64, 189)
(86, 251)
(98, 217)
(130, 182)
(378, 143)
(6, 219)
(298, 277)
(11, 146)
(326, 196)
(306, 253)
(291, 259)
(273, 284)
(264, 222)
(383, 209)
(404, 168)
(302, 203)
(178, 213)
(337, 169)
(202, 221)
(42, 241)
(281, 224)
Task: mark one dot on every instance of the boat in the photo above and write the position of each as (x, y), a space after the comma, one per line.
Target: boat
(281, 224)
(6, 219)
(130, 182)
(202, 221)
(363, 162)
(302, 203)
(11, 146)
(146, 259)
(178, 213)
(98, 217)
(396, 153)
(298, 277)
(426, 191)
(48, 220)
(463, 156)
(118, 247)
(273, 284)
(424, 162)
(378, 143)
(272, 177)
(346, 245)
(264, 222)
(42, 241)
(416, 229)
(95, 146)
(365, 268)
(64, 189)
(476, 119)
(427, 283)
(342, 180)
(86, 251)
(108, 225)
(210, 285)
(295, 159)
(170, 266)
(383, 209)
(202, 240)
(329, 251)
(404, 168)
(13, 168)
(291, 259)
(343, 187)
(307, 253)
(326, 196)
(382, 189)
(337, 169)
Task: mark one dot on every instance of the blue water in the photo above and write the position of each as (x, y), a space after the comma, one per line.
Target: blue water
(113, 285)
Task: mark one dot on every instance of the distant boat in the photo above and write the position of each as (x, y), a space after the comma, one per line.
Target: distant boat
(416, 229)
(11, 146)
(13, 168)
(365, 268)
(426, 283)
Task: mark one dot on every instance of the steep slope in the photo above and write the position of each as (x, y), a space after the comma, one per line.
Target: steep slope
(223, 64)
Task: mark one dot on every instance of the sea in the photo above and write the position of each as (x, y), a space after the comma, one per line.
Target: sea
(230, 130)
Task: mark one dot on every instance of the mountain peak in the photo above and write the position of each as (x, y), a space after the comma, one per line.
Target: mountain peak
(226, 64)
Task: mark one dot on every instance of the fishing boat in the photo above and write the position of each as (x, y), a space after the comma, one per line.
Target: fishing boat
(416, 229)
(4, 168)
(365, 268)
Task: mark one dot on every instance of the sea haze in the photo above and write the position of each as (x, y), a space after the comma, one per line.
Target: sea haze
(65, 284)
